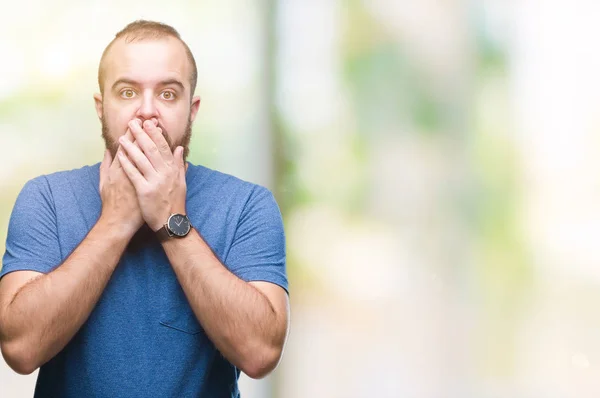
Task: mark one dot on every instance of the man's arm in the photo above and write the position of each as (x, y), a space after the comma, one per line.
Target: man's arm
(38, 318)
(247, 321)
(40, 315)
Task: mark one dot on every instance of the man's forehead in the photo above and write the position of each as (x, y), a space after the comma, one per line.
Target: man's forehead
(147, 59)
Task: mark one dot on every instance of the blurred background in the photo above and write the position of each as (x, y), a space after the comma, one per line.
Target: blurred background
(436, 163)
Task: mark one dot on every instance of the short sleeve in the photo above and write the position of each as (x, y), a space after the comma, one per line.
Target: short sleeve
(32, 240)
(258, 249)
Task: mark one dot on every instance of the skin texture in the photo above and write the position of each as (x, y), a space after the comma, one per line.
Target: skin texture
(146, 114)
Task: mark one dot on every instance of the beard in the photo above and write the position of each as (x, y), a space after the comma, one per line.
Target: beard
(113, 145)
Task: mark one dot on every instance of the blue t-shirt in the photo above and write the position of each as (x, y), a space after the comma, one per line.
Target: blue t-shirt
(142, 338)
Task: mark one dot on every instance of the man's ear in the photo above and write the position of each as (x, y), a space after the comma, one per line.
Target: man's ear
(194, 107)
(98, 104)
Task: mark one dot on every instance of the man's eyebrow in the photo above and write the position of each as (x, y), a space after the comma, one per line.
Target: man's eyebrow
(124, 81)
(162, 83)
(172, 81)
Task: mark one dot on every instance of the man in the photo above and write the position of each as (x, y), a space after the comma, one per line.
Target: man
(145, 275)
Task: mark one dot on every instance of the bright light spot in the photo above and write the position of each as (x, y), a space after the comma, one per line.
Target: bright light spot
(13, 68)
(580, 361)
(56, 61)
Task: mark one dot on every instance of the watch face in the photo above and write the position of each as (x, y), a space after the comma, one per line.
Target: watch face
(179, 225)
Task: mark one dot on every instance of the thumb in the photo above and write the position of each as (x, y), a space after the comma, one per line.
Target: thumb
(180, 162)
(179, 157)
(104, 166)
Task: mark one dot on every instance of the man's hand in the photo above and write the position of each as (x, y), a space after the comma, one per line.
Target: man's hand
(119, 201)
(157, 174)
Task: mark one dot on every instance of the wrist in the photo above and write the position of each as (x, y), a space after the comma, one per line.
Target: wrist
(156, 226)
(116, 228)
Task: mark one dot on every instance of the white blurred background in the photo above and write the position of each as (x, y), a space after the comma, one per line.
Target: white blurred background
(435, 161)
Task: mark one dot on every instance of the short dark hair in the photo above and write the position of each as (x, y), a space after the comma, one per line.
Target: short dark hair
(148, 30)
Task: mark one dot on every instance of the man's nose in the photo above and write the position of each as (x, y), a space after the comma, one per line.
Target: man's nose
(147, 109)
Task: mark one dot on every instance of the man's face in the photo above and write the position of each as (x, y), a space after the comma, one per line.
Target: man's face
(148, 79)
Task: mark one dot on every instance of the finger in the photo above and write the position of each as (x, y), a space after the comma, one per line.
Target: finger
(104, 167)
(178, 155)
(155, 134)
(134, 175)
(129, 137)
(106, 162)
(116, 164)
(138, 157)
(147, 145)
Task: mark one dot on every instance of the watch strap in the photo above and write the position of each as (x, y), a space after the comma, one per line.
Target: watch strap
(163, 234)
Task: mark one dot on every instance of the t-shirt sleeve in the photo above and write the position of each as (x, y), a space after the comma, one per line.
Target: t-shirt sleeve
(32, 240)
(258, 249)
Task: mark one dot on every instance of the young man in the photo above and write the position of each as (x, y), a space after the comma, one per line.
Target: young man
(145, 275)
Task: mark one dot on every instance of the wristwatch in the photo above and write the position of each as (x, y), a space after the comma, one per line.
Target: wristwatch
(177, 226)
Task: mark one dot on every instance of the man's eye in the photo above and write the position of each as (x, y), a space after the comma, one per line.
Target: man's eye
(168, 95)
(127, 93)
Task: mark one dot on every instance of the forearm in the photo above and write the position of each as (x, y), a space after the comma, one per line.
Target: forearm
(238, 318)
(47, 312)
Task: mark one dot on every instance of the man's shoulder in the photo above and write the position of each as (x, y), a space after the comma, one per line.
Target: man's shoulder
(212, 180)
(79, 172)
(63, 175)
(49, 184)
(57, 176)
